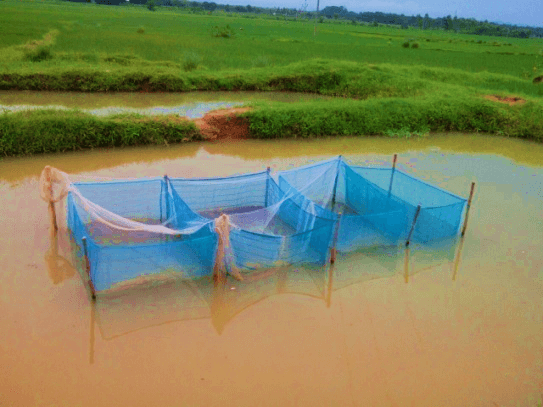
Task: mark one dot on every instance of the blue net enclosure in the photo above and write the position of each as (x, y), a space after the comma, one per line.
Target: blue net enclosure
(135, 228)
(268, 226)
(441, 211)
(377, 206)
(197, 227)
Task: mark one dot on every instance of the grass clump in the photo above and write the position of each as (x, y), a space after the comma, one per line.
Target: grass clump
(53, 131)
(222, 32)
(40, 50)
(405, 44)
(191, 61)
(396, 118)
(140, 30)
(261, 62)
(415, 45)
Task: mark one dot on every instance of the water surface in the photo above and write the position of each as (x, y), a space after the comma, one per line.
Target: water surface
(457, 325)
(190, 104)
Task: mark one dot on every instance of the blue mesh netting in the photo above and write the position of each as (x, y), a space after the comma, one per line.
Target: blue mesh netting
(117, 253)
(271, 227)
(377, 205)
(441, 211)
(136, 228)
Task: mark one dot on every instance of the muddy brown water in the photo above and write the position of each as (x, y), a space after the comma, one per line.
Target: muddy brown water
(462, 327)
(190, 104)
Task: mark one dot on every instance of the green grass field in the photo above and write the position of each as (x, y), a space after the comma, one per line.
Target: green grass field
(53, 45)
(89, 32)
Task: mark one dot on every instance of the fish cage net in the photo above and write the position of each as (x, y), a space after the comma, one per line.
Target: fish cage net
(197, 227)
(377, 206)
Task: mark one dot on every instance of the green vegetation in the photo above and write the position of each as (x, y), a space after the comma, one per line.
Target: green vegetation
(397, 117)
(52, 131)
(395, 86)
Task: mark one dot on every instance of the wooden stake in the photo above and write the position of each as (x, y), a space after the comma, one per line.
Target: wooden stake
(333, 251)
(51, 203)
(267, 188)
(457, 258)
(412, 226)
(392, 174)
(88, 269)
(334, 190)
(467, 209)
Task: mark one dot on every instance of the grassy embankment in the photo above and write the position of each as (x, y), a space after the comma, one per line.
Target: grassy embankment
(439, 86)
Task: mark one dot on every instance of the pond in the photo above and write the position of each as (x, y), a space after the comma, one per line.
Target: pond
(191, 104)
(458, 325)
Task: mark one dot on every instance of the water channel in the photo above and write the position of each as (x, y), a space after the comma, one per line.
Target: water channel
(463, 326)
(191, 104)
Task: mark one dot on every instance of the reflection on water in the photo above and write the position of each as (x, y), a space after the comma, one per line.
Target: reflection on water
(58, 266)
(465, 330)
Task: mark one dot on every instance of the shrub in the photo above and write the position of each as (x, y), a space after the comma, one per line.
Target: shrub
(37, 53)
(39, 50)
(405, 44)
(222, 32)
(151, 5)
(415, 45)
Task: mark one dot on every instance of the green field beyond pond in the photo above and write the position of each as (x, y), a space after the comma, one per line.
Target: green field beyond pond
(384, 84)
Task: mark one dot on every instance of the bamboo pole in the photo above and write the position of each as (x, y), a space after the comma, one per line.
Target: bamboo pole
(467, 209)
(412, 226)
(51, 203)
(334, 190)
(457, 258)
(333, 251)
(267, 187)
(88, 269)
(392, 174)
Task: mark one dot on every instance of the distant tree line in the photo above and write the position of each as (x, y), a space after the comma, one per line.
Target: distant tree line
(448, 23)
(464, 25)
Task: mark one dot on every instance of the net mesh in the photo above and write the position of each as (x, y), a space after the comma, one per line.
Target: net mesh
(197, 227)
(269, 226)
(377, 206)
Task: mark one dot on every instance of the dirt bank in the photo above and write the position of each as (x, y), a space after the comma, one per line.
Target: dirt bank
(224, 124)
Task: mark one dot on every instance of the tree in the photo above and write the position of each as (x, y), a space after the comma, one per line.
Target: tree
(426, 22)
(420, 22)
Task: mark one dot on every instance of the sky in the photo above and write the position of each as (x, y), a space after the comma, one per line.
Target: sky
(519, 12)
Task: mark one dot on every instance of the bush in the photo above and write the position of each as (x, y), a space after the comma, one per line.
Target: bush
(222, 32)
(415, 45)
(151, 5)
(40, 50)
(405, 44)
(37, 53)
